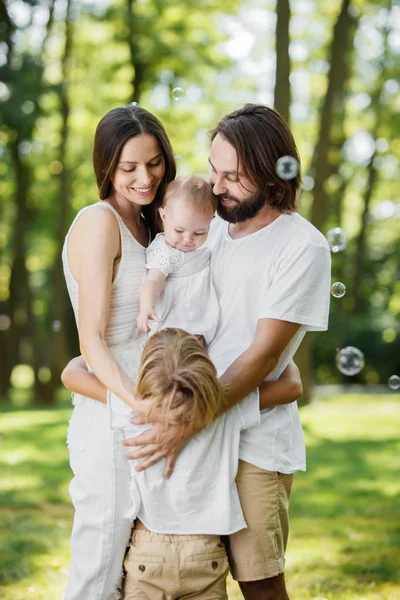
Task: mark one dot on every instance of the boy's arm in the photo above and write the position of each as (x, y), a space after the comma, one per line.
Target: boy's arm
(76, 376)
(150, 291)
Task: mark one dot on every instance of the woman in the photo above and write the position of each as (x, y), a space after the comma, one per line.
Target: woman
(104, 265)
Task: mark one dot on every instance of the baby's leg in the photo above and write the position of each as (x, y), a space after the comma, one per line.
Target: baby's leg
(100, 494)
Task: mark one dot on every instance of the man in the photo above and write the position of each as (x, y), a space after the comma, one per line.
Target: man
(271, 269)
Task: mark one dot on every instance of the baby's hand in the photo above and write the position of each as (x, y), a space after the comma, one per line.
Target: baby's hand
(142, 320)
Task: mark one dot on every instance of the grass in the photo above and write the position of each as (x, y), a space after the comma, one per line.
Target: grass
(345, 511)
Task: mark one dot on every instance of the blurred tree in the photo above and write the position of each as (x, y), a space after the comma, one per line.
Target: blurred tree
(23, 75)
(321, 167)
(377, 106)
(282, 93)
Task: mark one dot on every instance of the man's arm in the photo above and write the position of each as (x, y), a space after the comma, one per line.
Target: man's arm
(242, 377)
(250, 369)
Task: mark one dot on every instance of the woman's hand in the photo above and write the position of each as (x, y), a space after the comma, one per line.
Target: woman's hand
(159, 442)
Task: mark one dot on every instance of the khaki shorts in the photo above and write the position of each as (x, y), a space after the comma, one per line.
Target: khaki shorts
(258, 552)
(169, 567)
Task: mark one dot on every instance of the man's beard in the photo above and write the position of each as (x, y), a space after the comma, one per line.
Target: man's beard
(242, 210)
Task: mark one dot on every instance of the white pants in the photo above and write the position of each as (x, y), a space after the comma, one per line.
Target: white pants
(100, 495)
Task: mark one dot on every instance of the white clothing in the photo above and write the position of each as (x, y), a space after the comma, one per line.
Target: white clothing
(100, 494)
(188, 300)
(100, 488)
(201, 496)
(279, 272)
(124, 306)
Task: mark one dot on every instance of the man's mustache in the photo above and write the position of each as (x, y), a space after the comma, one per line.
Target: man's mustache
(227, 197)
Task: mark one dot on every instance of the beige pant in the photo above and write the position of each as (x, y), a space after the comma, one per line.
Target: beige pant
(174, 567)
(258, 552)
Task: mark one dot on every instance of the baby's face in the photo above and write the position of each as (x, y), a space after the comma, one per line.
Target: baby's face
(185, 228)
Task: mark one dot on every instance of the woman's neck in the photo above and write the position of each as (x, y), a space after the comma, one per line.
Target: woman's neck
(128, 211)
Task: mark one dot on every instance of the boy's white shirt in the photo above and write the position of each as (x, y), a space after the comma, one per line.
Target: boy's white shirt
(201, 496)
(280, 272)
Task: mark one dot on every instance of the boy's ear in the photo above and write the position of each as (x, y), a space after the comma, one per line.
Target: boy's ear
(161, 210)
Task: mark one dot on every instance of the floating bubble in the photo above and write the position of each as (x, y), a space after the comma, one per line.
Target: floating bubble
(28, 107)
(56, 326)
(133, 104)
(177, 93)
(287, 167)
(350, 360)
(24, 148)
(336, 239)
(5, 322)
(394, 382)
(338, 289)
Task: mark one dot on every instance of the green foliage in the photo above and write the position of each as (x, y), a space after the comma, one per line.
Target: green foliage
(344, 511)
(147, 50)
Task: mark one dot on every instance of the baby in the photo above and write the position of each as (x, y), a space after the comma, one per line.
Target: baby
(178, 290)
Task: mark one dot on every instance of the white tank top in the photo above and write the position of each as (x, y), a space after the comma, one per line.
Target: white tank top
(124, 307)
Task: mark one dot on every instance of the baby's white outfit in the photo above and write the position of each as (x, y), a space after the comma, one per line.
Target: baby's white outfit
(189, 300)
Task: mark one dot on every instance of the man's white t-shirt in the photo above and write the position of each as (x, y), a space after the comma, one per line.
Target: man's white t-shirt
(201, 496)
(279, 272)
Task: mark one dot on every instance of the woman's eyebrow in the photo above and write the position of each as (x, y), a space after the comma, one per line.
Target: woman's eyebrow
(132, 162)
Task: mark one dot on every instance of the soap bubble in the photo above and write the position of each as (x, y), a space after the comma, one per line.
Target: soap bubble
(287, 167)
(394, 382)
(336, 239)
(177, 93)
(5, 322)
(338, 289)
(179, 163)
(350, 360)
(56, 326)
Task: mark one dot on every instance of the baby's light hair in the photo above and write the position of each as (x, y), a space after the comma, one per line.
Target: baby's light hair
(192, 189)
(175, 371)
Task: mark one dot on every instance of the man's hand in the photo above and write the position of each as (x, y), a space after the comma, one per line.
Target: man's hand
(159, 442)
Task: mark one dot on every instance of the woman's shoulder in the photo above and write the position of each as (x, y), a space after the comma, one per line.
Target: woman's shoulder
(96, 218)
(94, 227)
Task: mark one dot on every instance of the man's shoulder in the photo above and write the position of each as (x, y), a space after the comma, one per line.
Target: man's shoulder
(299, 230)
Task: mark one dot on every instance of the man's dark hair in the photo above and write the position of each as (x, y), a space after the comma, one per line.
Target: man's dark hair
(260, 137)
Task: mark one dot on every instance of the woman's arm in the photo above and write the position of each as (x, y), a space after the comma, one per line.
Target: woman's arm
(284, 390)
(150, 291)
(76, 377)
(93, 251)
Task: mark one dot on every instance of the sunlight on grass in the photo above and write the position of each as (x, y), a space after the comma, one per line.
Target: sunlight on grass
(345, 511)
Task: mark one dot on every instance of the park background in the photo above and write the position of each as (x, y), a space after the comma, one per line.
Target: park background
(332, 70)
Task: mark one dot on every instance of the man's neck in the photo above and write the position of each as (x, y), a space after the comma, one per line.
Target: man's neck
(263, 218)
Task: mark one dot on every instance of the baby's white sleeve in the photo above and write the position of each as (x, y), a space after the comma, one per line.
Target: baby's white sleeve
(162, 256)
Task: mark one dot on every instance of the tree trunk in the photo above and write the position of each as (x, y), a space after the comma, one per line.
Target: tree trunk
(45, 391)
(343, 35)
(361, 242)
(137, 65)
(282, 83)
(341, 45)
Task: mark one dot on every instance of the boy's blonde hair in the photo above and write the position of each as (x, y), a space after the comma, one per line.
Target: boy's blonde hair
(194, 190)
(176, 372)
